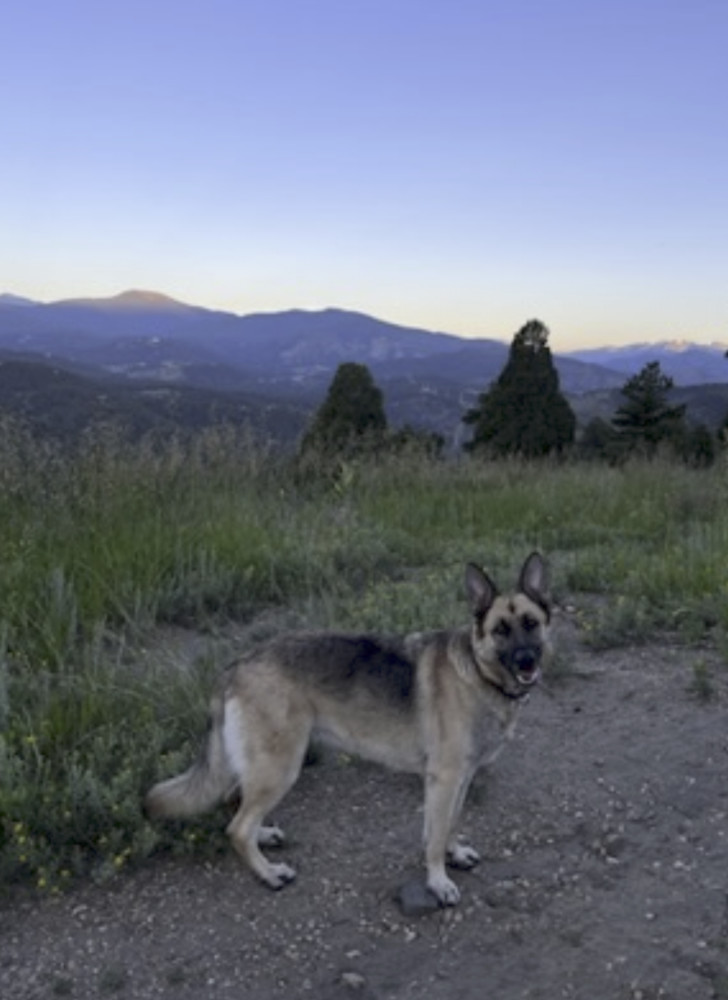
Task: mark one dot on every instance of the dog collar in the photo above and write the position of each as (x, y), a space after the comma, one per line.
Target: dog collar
(511, 695)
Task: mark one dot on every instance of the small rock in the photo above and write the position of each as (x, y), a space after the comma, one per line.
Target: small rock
(614, 844)
(415, 899)
(354, 980)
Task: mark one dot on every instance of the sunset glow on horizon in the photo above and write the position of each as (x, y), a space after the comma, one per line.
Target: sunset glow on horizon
(455, 167)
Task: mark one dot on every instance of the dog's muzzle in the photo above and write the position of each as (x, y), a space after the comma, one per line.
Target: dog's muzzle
(525, 667)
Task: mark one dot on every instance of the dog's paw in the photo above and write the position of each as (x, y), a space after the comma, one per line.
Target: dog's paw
(278, 876)
(462, 856)
(270, 836)
(444, 889)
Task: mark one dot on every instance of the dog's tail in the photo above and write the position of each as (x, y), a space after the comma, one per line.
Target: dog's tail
(202, 786)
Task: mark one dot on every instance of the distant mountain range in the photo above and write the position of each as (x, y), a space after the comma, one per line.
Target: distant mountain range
(686, 363)
(273, 364)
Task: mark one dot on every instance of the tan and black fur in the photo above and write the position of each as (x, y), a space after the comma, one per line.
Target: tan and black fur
(440, 704)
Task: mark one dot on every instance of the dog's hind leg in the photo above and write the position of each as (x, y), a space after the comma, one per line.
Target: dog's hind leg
(461, 856)
(270, 836)
(265, 783)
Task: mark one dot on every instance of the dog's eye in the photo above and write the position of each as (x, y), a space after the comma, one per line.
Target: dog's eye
(529, 623)
(502, 629)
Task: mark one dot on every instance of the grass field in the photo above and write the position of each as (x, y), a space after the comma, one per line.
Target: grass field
(102, 547)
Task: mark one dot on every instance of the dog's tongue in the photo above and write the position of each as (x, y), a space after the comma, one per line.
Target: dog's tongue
(527, 675)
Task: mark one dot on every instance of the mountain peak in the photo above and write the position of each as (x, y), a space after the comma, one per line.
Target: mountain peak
(136, 298)
(133, 298)
(6, 299)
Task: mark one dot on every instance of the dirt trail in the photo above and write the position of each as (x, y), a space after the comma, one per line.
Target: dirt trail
(604, 836)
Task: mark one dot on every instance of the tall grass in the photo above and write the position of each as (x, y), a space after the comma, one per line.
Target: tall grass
(101, 545)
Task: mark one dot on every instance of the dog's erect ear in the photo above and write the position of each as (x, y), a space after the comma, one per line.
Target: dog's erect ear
(481, 590)
(533, 581)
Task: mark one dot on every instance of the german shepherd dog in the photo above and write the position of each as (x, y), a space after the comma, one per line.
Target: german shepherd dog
(440, 704)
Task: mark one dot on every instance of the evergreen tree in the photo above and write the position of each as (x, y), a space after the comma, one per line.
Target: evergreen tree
(351, 419)
(723, 433)
(645, 419)
(410, 440)
(698, 446)
(524, 412)
(723, 429)
(599, 441)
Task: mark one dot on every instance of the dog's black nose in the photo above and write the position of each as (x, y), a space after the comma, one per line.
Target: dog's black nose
(525, 659)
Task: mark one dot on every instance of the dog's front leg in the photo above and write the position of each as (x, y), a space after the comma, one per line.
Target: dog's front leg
(445, 790)
(459, 855)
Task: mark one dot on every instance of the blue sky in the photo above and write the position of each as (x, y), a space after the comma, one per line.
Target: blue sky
(460, 165)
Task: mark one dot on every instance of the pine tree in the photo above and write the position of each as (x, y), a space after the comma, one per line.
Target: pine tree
(699, 447)
(524, 412)
(351, 419)
(598, 441)
(645, 419)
